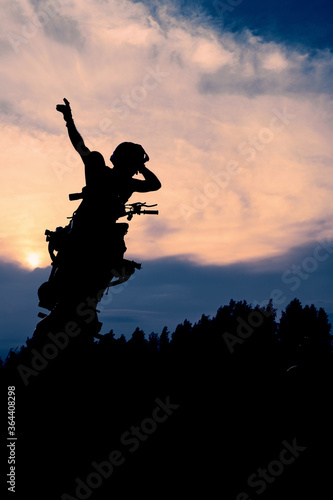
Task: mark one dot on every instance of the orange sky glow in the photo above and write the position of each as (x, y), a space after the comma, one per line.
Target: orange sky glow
(240, 141)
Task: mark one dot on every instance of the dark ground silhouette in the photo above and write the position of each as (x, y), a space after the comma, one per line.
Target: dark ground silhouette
(237, 406)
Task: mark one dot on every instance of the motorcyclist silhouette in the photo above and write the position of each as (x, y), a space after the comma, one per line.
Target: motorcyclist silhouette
(91, 248)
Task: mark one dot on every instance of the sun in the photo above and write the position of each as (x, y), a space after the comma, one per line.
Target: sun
(33, 259)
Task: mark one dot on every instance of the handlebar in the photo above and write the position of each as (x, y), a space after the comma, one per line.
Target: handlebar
(136, 208)
(130, 209)
(75, 196)
(152, 212)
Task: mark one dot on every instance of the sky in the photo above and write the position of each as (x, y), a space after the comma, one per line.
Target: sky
(231, 99)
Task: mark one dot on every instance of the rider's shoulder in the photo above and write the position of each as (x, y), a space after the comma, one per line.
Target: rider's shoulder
(94, 158)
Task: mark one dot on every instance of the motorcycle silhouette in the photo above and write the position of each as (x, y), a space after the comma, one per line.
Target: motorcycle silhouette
(87, 255)
(79, 278)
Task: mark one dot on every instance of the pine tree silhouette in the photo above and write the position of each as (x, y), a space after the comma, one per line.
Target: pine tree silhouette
(234, 409)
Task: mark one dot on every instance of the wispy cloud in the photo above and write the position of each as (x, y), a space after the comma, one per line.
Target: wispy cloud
(238, 129)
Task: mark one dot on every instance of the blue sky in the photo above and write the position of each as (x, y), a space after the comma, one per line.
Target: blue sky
(292, 22)
(238, 129)
(167, 291)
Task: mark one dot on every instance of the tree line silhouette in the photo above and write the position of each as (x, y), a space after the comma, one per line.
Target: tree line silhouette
(197, 410)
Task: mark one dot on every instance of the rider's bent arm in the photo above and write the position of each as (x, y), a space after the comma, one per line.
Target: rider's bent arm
(76, 138)
(151, 182)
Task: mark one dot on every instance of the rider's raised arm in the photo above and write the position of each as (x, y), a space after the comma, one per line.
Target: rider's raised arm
(75, 137)
(151, 182)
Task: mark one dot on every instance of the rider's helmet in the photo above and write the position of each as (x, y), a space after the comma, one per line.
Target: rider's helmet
(129, 155)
